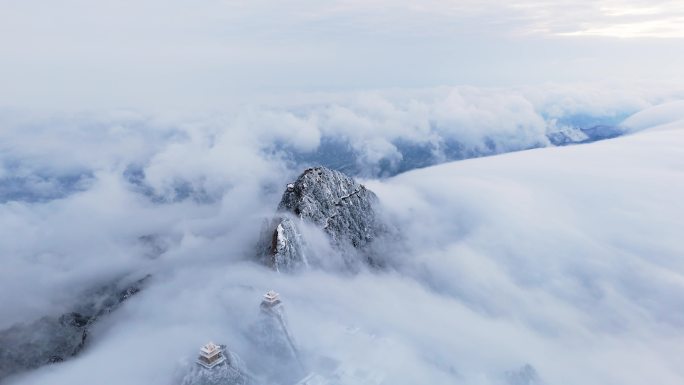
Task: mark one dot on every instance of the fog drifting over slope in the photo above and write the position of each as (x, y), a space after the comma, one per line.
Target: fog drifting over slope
(564, 258)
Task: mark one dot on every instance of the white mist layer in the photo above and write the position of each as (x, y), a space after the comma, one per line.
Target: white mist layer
(579, 247)
(568, 259)
(212, 152)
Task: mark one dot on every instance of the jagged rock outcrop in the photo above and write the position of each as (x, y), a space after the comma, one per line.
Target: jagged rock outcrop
(57, 338)
(345, 210)
(282, 246)
(230, 372)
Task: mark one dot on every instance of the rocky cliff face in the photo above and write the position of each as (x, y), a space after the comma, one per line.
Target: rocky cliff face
(281, 245)
(56, 338)
(331, 201)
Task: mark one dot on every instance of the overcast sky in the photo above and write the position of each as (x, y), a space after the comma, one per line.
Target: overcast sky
(211, 53)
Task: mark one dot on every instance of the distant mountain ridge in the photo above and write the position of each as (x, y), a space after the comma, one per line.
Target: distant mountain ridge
(338, 154)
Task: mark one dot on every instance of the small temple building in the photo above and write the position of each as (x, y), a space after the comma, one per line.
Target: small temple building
(216, 365)
(210, 355)
(271, 300)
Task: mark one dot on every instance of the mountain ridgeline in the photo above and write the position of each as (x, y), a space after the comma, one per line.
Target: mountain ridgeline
(56, 338)
(327, 201)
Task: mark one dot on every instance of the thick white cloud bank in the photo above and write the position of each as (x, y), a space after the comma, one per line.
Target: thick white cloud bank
(568, 259)
(658, 117)
(379, 132)
(581, 247)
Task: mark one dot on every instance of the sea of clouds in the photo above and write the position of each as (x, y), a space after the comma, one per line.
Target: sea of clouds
(371, 134)
(564, 258)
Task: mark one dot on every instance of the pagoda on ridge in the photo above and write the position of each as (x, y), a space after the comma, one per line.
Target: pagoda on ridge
(271, 300)
(210, 356)
(276, 355)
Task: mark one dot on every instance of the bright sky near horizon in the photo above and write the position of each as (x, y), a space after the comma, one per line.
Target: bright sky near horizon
(172, 53)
